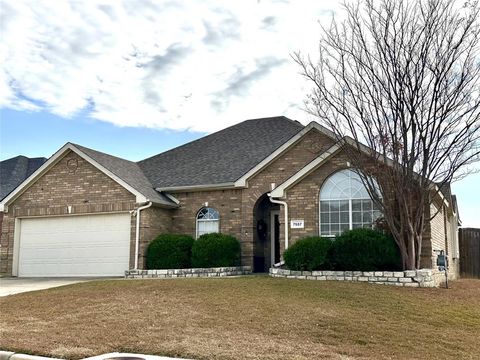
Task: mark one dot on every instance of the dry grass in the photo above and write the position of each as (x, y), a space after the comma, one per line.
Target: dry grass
(245, 318)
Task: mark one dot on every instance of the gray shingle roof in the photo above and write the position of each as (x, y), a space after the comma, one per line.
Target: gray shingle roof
(222, 157)
(15, 170)
(129, 172)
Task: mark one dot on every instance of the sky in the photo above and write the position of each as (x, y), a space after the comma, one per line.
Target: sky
(135, 78)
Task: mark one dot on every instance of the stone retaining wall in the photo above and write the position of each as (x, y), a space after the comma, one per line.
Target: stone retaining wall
(188, 273)
(410, 278)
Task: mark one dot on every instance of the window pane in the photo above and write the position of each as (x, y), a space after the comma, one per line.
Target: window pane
(334, 205)
(206, 227)
(334, 217)
(344, 217)
(208, 214)
(324, 206)
(334, 228)
(356, 217)
(344, 206)
(356, 226)
(356, 205)
(325, 229)
(324, 218)
(367, 217)
(367, 205)
(344, 227)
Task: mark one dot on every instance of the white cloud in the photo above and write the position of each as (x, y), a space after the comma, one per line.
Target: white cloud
(199, 65)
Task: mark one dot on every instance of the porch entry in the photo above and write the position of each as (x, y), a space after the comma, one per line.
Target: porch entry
(266, 247)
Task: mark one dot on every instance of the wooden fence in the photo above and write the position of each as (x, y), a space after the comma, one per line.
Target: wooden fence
(469, 241)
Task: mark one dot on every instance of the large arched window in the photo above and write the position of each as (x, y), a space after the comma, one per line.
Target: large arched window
(345, 204)
(208, 221)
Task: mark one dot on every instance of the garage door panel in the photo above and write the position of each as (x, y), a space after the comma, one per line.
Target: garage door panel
(88, 245)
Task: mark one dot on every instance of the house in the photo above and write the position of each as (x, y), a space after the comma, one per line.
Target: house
(268, 182)
(13, 172)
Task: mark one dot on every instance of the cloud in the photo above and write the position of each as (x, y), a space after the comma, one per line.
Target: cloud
(243, 80)
(200, 65)
(269, 22)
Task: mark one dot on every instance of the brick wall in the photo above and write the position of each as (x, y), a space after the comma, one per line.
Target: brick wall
(153, 222)
(226, 202)
(289, 163)
(303, 197)
(81, 186)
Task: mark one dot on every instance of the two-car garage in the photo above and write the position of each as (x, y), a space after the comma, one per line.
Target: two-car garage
(75, 245)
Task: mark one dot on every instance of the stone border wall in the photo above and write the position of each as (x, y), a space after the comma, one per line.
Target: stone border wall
(409, 278)
(188, 273)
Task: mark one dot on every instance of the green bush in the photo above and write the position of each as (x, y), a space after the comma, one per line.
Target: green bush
(365, 250)
(170, 251)
(310, 253)
(215, 250)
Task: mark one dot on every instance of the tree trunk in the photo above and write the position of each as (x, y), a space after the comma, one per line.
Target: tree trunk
(411, 251)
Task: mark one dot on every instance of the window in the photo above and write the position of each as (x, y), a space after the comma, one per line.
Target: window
(345, 204)
(208, 221)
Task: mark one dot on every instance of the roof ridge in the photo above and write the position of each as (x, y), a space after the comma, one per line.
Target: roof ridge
(103, 153)
(218, 131)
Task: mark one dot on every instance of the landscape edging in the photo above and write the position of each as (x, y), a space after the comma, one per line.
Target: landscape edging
(408, 278)
(188, 273)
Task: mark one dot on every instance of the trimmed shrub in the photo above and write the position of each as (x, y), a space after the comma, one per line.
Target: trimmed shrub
(215, 250)
(308, 254)
(365, 250)
(170, 251)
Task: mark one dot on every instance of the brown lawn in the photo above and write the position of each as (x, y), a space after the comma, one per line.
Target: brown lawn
(245, 318)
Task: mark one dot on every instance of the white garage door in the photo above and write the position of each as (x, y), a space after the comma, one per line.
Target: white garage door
(83, 245)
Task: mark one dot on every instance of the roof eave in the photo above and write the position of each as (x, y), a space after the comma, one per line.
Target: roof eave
(202, 187)
(54, 159)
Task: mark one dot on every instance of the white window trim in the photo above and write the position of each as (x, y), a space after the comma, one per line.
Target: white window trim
(350, 207)
(197, 220)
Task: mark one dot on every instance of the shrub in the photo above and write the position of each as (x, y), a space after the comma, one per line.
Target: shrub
(365, 250)
(170, 251)
(215, 250)
(308, 254)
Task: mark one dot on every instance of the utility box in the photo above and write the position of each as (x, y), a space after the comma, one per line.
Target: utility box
(442, 260)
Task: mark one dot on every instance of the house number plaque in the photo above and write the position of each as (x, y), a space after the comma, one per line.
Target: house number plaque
(297, 224)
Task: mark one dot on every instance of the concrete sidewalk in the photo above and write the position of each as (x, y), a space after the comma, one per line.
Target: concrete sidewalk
(13, 285)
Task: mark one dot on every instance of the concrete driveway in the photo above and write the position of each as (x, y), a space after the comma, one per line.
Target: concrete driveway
(12, 285)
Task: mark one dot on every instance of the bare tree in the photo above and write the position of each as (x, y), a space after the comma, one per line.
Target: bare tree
(402, 77)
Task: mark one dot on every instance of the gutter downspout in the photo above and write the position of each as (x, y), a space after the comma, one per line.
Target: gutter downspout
(137, 231)
(286, 223)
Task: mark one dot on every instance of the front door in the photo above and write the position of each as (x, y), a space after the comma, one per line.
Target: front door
(275, 237)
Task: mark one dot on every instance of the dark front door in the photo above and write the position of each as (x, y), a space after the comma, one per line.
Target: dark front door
(276, 238)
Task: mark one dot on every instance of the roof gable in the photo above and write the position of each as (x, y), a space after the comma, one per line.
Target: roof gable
(116, 168)
(279, 191)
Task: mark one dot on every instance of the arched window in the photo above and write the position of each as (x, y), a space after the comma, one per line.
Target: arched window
(345, 204)
(208, 221)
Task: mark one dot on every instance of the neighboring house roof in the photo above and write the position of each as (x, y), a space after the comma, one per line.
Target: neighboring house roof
(222, 157)
(15, 170)
(129, 172)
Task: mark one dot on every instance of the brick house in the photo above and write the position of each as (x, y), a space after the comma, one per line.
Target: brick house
(268, 182)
